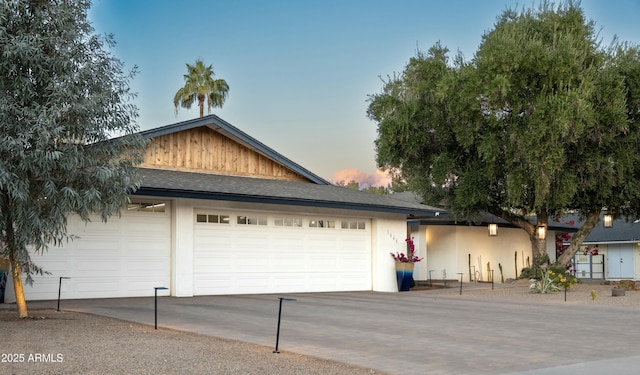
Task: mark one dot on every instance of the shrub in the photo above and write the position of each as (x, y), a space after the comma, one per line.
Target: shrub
(545, 283)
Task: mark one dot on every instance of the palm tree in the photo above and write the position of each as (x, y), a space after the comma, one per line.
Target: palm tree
(200, 84)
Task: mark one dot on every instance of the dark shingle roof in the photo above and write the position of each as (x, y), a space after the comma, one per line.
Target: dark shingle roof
(168, 183)
(622, 230)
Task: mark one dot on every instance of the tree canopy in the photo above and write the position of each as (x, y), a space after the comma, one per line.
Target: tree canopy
(63, 98)
(542, 120)
(199, 86)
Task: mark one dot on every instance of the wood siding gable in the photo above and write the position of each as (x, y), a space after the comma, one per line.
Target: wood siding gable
(204, 150)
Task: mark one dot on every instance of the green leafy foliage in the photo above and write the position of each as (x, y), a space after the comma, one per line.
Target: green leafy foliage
(67, 125)
(542, 120)
(545, 283)
(200, 86)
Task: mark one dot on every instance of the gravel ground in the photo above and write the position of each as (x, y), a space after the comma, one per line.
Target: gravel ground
(53, 342)
(74, 343)
(519, 291)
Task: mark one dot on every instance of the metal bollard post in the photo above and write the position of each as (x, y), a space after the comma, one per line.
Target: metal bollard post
(430, 278)
(460, 273)
(59, 289)
(279, 316)
(155, 325)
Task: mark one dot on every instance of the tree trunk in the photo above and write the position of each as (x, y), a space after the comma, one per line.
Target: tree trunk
(14, 262)
(576, 240)
(540, 256)
(21, 303)
(539, 245)
(201, 104)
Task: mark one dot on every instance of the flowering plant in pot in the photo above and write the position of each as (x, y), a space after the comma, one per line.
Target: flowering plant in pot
(405, 265)
(411, 253)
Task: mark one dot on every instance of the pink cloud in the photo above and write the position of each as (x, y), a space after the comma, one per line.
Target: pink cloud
(379, 178)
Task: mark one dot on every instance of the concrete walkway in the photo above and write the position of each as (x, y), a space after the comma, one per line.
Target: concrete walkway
(420, 332)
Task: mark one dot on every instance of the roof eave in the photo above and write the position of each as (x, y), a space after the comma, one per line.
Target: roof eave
(176, 193)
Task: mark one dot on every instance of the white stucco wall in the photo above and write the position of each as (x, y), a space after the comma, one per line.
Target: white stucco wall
(448, 248)
(182, 248)
(388, 236)
(421, 271)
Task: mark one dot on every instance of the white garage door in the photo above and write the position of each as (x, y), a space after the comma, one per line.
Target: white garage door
(244, 253)
(125, 257)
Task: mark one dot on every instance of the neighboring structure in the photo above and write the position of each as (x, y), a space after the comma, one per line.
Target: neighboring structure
(219, 212)
(453, 247)
(618, 251)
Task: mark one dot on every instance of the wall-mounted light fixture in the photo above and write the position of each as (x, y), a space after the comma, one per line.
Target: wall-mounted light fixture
(493, 229)
(542, 232)
(608, 220)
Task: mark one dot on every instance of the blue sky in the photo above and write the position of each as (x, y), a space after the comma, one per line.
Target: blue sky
(300, 72)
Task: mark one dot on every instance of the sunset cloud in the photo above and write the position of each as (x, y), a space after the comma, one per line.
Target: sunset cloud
(379, 178)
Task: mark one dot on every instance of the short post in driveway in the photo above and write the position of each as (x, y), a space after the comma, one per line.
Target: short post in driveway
(279, 316)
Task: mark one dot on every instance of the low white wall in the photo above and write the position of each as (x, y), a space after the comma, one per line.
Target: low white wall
(448, 249)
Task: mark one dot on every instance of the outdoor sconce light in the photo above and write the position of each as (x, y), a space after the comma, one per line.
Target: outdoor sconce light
(493, 230)
(608, 220)
(542, 232)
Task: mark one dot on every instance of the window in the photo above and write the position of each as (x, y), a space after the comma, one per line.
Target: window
(322, 223)
(213, 219)
(295, 222)
(316, 223)
(146, 207)
(252, 220)
(353, 224)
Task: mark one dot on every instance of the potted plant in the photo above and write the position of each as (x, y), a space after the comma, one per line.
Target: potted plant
(405, 265)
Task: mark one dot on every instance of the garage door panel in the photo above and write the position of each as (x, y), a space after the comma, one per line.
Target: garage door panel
(87, 286)
(283, 240)
(283, 261)
(146, 265)
(124, 257)
(213, 243)
(207, 263)
(90, 266)
(144, 249)
(322, 263)
(57, 266)
(105, 246)
(43, 287)
(239, 259)
(141, 285)
(216, 284)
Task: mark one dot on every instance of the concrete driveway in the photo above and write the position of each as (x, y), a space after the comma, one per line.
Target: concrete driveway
(420, 332)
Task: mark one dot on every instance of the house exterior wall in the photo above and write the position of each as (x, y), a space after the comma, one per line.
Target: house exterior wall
(636, 260)
(388, 235)
(419, 237)
(449, 247)
(182, 248)
(385, 233)
(204, 150)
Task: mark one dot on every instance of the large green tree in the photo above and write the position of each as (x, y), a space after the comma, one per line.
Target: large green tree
(200, 85)
(542, 120)
(63, 97)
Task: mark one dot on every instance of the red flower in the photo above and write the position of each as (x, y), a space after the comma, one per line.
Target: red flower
(410, 257)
